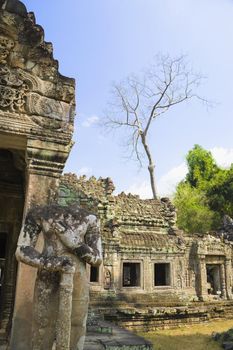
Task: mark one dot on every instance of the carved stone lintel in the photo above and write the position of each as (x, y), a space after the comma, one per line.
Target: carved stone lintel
(51, 113)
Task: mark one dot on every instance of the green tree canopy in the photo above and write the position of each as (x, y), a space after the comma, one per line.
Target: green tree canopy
(201, 167)
(193, 213)
(205, 195)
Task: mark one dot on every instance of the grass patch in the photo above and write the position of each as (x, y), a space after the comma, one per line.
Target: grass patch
(195, 337)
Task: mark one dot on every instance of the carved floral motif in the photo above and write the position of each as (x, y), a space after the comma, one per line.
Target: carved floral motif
(12, 90)
(31, 87)
(16, 97)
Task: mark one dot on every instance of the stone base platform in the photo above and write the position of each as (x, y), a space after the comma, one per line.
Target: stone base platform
(151, 318)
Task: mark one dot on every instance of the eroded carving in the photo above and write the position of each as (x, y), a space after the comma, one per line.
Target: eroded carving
(49, 108)
(72, 239)
(14, 6)
(31, 87)
(6, 45)
(12, 90)
(16, 96)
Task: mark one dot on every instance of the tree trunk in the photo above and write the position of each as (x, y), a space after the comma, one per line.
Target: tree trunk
(151, 166)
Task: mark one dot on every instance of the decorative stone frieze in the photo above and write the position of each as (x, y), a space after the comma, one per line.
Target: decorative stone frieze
(31, 87)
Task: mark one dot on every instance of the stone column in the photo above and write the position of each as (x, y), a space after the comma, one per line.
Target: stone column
(223, 281)
(228, 273)
(45, 162)
(116, 271)
(147, 275)
(64, 313)
(202, 278)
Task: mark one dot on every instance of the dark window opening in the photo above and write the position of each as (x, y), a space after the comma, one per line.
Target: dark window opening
(131, 274)
(162, 274)
(3, 242)
(3, 239)
(94, 274)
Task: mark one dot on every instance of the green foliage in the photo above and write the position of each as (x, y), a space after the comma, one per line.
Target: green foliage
(219, 192)
(193, 213)
(206, 194)
(201, 167)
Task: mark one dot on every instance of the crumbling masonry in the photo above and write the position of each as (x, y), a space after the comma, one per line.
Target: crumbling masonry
(153, 274)
(150, 267)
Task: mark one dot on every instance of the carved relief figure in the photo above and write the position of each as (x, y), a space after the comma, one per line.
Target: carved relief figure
(71, 239)
(107, 279)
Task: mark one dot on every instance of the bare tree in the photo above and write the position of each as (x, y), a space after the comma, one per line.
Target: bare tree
(138, 101)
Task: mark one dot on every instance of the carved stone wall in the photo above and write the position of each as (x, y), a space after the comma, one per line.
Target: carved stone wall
(35, 98)
(142, 235)
(37, 107)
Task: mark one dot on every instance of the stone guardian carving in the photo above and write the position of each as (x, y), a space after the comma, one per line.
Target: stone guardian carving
(71, 239)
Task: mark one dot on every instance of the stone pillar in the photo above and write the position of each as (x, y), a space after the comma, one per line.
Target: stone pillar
(117, 273)
(223, 281)
(147, 275)
(202, 278)
(42, 181)
(228, 273)
(64, 312)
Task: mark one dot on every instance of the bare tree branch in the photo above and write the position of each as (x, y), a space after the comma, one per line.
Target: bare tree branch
(138, 101)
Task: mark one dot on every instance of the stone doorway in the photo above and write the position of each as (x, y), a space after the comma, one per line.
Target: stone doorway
(11, 211)
(213, 279)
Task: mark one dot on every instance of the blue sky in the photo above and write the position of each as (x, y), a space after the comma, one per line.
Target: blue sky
(101, 41)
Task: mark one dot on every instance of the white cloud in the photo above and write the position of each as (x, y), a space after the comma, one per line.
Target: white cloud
(90, 121)
(167, 183)
(140, 188)
(84, 171)
(223, 156)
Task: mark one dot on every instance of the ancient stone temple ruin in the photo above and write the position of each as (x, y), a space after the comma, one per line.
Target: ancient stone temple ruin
(149, 265)
(36, 125)
(153, 274)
